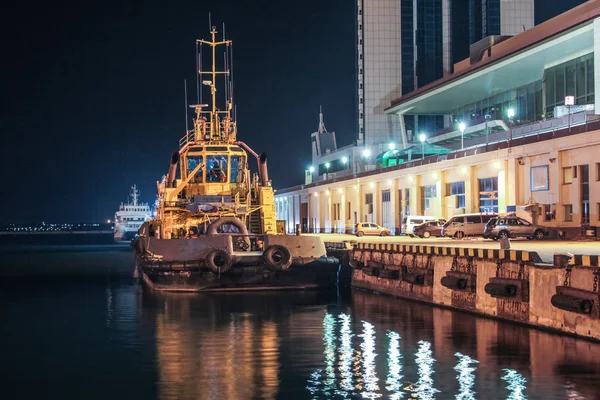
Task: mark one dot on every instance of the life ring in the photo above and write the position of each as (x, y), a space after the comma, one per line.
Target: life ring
(218, 261)
(277, 258)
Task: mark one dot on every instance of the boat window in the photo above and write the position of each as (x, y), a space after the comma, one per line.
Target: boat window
(216, 168)
(217, 148)
(237, 169)
(192, 162)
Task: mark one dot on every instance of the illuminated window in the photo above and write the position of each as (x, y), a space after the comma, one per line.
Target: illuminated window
(429, 193)
(216, 168)
(238, 164)
(539, 178)
(488, 195)
(568, 212)
(457, 189)
(192, 163)
(567, 175)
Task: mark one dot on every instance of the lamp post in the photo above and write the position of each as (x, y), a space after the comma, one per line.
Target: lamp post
(569, 101)
(462, 128)
(422, 138)
(511, 114)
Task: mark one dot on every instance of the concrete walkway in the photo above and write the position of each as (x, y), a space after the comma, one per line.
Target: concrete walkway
(545, 248)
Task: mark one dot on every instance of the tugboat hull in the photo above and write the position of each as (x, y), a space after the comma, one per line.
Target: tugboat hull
(316, 275)
(181, 265)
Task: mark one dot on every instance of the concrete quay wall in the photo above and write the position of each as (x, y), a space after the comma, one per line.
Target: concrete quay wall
(416, 272)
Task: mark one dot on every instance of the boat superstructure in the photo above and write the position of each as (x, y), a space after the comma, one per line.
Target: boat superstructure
(215, 225)
(215, 180)
(130, 216)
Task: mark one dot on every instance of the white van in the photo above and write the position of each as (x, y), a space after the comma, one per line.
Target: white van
(462, 225)
(409, 222)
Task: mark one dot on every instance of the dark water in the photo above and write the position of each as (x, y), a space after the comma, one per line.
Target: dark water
(74, 325)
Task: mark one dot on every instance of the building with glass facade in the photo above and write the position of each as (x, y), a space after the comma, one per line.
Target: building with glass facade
(540, 160)
(403, 45)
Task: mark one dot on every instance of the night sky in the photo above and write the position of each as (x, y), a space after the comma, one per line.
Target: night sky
(92, 93)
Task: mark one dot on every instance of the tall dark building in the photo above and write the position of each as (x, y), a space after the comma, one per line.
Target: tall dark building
(406, 44)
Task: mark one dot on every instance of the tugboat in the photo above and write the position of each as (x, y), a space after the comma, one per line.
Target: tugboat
(215, 227)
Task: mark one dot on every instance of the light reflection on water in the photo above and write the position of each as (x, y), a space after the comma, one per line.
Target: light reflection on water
(346, 356)
(369, 378)
(424, 360)
(516, 384)
(354, 372)
(121, 342)
(394, 378)
(466, 378)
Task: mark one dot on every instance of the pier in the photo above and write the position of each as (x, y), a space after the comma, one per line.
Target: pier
(560, 294)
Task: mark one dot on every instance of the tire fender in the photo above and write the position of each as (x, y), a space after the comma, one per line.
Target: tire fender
(218, 261)
(277, 258)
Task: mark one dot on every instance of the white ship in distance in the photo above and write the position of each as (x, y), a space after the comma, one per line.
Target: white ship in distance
(131, 216)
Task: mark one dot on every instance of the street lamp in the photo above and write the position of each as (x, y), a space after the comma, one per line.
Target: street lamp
(366, 153)
(462, 127)
(327, 165)
(422, 138)
(344, 160)
(511, 114)
(569, 101)
(311, 169)
(392, 146)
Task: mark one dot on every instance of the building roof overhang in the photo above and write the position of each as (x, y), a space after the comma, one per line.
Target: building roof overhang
(514, 63)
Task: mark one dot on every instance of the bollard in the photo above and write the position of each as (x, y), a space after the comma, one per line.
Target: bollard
(504, 243)
(298, 229)
(562, 260)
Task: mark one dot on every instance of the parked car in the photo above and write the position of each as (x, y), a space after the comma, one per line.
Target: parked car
(409, 222)
(428, 229)
(369, 228)
(503, 227)
(463, 225)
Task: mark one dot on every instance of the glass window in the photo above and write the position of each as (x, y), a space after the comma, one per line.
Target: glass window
(570, 78)
(487, 218)
(192, 163)
(473, 219)
(539, 178)
(580, 89)
(238, 164)
(429, 194)
(567, 175)
(590, 75)
(488, 195)
(550, 90)
(458, 189)
(216, 168)
(568, 212)
(560, 84)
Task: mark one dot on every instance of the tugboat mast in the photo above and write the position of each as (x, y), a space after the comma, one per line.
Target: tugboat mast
(214, 113)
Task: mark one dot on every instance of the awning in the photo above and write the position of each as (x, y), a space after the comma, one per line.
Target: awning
(517, 70)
